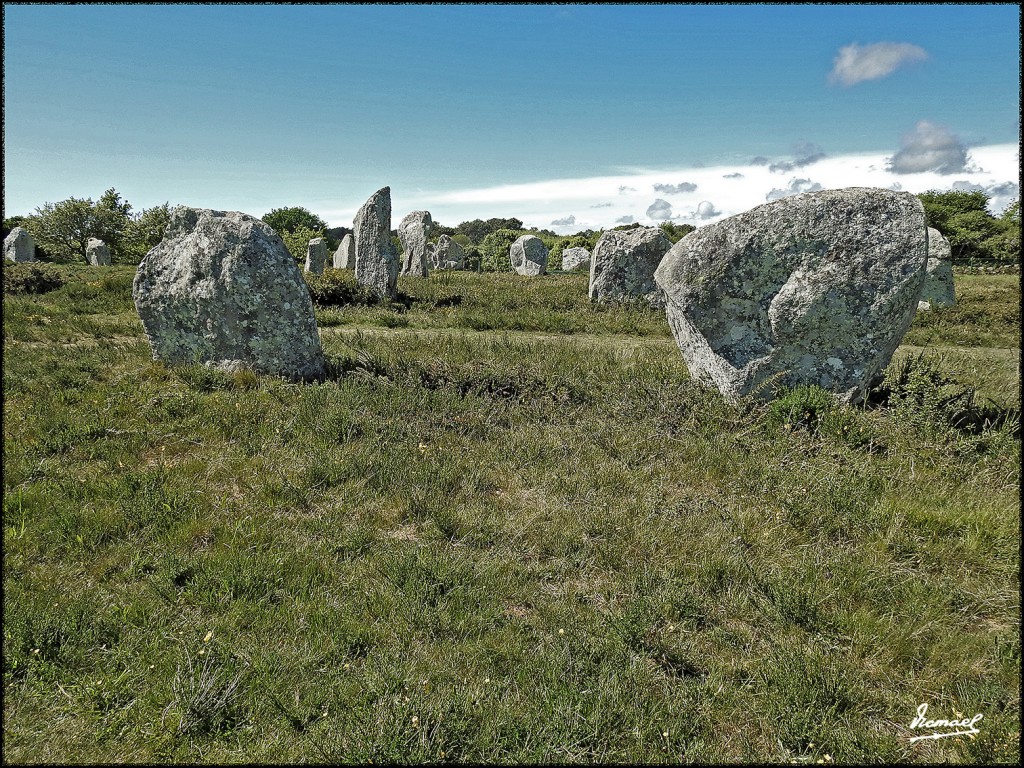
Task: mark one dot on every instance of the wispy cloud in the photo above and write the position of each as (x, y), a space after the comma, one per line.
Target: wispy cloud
(568, 221)
(625, 220)
(929, 147)
(796, 186)
(672, 189)
(804, 153)
(732, 176)
(859, 63)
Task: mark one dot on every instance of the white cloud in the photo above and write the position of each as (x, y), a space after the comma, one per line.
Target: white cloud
(796, 186)
(707, 210)
(624, 189)
(659, 210)
(537, 203)
(568, 221)
(1000, 195)
(929, 147)
(671, 189)
(856, 63)
(804, 153)
(732, 176)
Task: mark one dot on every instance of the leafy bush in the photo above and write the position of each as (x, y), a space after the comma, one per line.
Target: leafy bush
(337, 287)
(801, 407)
(494, 250)
(917, 391)
(31, 277)
(574, 241)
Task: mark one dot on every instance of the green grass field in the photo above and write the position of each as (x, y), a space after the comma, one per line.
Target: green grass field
(507, 528)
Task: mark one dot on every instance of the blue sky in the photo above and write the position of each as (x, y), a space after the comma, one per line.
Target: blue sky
(572, 113)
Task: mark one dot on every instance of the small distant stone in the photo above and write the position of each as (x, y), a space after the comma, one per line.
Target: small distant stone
(316, 256)
(529, 256)
(97, 253)
(938, 282)
(447, 254)
(623, 263)
(345, 256)
(575, 258)
(222, 289)
(413, 232)
(19, 246)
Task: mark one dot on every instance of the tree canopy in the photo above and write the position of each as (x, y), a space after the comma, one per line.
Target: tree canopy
(974, 234)
(290, 219)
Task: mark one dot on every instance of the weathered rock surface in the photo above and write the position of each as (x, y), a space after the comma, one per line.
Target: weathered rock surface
(818, 288)
(575, 258)
(316, 256)
(97, 253)
(222, 289)
(529, 255)
(623, 263)
(376, 260)
(413, 232)
(19, 246)
(447, 254)
(938, 282)
(345, 256)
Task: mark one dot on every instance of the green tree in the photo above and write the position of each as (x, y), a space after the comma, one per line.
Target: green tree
(676, 232)
(63, 229)
(494, 250)
(478, 229)
(297, 242)
(113, 219)
(145, 231)
(974, 234)
(291, 219)
(572, 241)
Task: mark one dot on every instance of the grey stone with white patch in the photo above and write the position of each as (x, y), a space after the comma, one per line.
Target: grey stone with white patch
(316, 256)
(623, 263)
(19, 246)
(345, 256)
(938, 283)
(818, 288)
(222, 289)
(376, 260)
(447, 254)
(529, 256)
(413, 232)
(575, 258)
(97, 253)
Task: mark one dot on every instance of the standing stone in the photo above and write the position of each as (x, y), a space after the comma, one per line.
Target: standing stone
(97, 253)
(345, 256)
(817, 288)
(447, 254)
(623, 263)
(19, 246)
(316, 256)
(529, 255)
(376, 260)
(413, 232)
(575, 258)
(222, 289)
(938, 282)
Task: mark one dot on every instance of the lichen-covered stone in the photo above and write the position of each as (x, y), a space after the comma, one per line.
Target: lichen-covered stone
(575, 258)
(413, 232)
(818, 288)
(376, 260)
(623, 263)
(19, 246)
(447, 254)
(529, 256)
(97, 253)
(938, 282)
(316, 256)
(222, 289)
(345, 256)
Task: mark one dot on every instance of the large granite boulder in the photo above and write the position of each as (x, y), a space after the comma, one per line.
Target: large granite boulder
(413, 232)
(222, 289)
(623, 263)
(818, 288)
(529, 255)
(19, 246)
(376, 260)
(97, 253)
(575, 258)
(447, 254)
(938, 282)
(345, 256)
(316, 256)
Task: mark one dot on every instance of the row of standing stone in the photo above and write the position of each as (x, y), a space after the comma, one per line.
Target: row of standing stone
(20, 247)
(818, 288)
